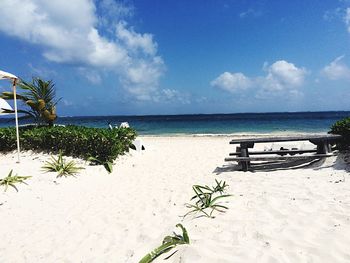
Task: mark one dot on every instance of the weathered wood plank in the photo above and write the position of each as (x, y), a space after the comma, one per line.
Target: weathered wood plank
(314, 138)
(269, 158)
(277, 152)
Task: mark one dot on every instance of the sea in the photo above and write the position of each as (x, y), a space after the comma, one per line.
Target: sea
(202, 124)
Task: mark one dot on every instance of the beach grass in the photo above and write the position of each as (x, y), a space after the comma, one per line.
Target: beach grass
(12, 180)
(61, 166)
(208, 198)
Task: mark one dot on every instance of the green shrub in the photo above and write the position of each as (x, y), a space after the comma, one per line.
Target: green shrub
(77, 141)
(342, 127)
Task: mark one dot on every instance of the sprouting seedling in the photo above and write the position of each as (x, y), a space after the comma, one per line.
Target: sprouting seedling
(11, 180)
(205, 201)
(220, 187)
(60, 166)
(169, 242)
(205, 198)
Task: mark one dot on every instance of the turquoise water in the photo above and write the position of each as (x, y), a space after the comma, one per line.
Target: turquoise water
(300, 122)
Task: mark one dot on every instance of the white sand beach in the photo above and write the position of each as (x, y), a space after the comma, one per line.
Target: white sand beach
(288, 215)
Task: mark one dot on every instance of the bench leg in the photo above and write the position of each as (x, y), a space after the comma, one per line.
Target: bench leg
(245, 164)
(323, 148)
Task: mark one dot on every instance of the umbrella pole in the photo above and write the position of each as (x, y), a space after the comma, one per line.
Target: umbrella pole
(16, 116)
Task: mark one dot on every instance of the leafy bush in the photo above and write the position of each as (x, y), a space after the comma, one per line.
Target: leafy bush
(77, 141)
(342, 127)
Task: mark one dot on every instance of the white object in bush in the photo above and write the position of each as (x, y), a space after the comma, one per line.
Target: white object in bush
(124, 125)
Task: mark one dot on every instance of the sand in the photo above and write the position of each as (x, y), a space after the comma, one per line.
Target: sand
(288, 215)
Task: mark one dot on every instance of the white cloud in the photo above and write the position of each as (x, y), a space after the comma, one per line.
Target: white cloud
(174, 95)
(141, 78)
(337, 69)
(281, 77)
(232, 82)
(112, 8)
(70, 32)
(135, 41)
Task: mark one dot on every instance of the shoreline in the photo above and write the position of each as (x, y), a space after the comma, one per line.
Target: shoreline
(238, 134)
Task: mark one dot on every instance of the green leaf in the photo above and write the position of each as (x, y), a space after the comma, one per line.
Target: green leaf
(108, 166)
(169, 242)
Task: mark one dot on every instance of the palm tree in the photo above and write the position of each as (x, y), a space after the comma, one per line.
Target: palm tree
(40, 97)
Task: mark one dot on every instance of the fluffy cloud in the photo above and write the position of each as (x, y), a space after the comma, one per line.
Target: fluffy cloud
(135, 41)
(73, 32)
(175, 95)
(232, 82)
(337, 69)
(281, 76)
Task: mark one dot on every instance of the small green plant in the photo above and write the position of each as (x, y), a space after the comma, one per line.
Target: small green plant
(107, 165)
(169, 242)
(220, 187)
(60, 166)
(207, 197)
(10, 180)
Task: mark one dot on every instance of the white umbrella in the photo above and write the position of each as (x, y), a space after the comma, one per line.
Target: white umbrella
(4, 106)
(13, 79)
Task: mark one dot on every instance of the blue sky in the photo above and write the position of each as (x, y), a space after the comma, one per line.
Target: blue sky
(113, 57)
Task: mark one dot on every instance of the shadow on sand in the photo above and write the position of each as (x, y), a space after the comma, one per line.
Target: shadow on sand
(274, 166)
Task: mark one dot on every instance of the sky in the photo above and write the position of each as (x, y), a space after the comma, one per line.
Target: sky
(111, 57)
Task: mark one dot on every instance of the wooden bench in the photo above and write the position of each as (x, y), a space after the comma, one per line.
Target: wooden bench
(323, 149)
(269, 158)
(279, 152)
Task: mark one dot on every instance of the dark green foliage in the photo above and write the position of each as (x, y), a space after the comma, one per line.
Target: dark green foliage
(342, 127)
(103, 144)
(169, 242)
